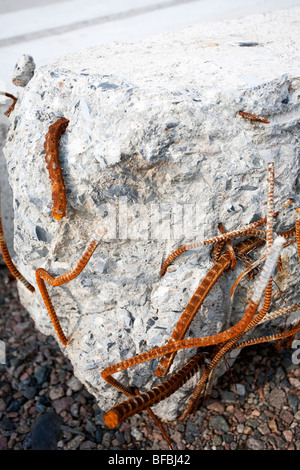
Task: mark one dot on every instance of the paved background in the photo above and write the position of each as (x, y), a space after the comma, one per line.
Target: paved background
(46, 29)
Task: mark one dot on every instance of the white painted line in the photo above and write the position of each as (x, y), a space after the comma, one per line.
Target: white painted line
(77, 13)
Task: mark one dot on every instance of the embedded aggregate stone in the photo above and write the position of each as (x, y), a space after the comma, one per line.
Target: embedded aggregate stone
(156, 151)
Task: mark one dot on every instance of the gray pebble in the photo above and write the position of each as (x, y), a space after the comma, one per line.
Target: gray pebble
(277, 398)
(218, 423)
(23, 71)
(255, 444)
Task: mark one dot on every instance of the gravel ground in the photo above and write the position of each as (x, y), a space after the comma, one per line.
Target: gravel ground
(255, 406)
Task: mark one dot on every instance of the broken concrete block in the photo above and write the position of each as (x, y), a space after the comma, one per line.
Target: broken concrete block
(156, 151)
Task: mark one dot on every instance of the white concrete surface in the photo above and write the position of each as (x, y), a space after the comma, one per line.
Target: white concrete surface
(48, 29)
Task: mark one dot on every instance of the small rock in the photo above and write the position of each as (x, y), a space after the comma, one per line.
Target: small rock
(87, 445)
(191, 432)
(230, 409)
(277, 398)
(90, 427)
(239, 389)
(280, 375)
(2, 405)
(286, 416)
(23, 428)
(86, 410)
(46, 432)
(240, 428)
(253, 423)
(74, 410)
(56, 392)
(30, 392)
(127, 435)
(106, 439)
(228, 396)
(74, 443)
(40, 408)
(295, 382)
(7, 424)
(15, 405)
(239, 415)
(263, 428)
(27, 442)
(136, 433)
(3, 443)
(218, 423)
(24, 376)
(54, 378)
(216, 406)
(247, 430)
(120, 437)
(23, 71)
(280, 443)
(62, 404)
(217, 440)
(228, 438)
(273, 426)
(99, 434)
(74, 384)
(288, 435)
(293, 402)
(177, 438)
(41, 374)
(297, 416)
(20, 328)
(255, 444)
(44, 400)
